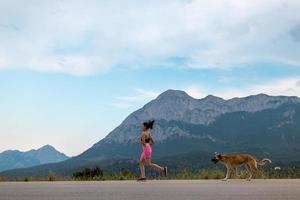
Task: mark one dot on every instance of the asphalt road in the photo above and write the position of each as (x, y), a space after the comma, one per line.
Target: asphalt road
(158, 190)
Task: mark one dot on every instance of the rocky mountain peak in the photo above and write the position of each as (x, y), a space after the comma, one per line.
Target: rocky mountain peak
(176, 105)
(47, 147)
(171, 94)
(213, 100)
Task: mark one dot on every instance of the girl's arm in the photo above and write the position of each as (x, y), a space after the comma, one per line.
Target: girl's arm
(142, 140)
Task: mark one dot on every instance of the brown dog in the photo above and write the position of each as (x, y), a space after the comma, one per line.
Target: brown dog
(233, 161)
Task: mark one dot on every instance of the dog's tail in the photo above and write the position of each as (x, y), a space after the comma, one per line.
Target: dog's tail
(263, 161)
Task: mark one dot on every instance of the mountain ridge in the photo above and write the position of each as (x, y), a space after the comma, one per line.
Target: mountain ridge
(179, 106)
(12, 159)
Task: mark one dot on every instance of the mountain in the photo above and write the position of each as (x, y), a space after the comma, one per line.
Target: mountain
(13, 159)
(174, 105)
(188, 130)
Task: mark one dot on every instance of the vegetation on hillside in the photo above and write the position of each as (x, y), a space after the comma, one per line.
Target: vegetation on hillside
(88, 174)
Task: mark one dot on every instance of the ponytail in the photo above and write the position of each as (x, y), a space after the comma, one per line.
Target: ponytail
(149, 124)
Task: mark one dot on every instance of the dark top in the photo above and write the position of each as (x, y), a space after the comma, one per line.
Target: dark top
(147, 140)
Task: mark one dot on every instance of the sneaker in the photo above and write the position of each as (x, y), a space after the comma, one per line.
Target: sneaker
(166, 171)
(142, 179)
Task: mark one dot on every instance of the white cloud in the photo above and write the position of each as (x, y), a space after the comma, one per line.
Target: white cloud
(286, 87)
(195, 91)
(86, 37)
(140, 94)
(140, 97)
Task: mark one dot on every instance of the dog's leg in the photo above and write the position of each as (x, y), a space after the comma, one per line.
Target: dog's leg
(228, 173)
(253, 169)
(236, 171)
(251, 175)
(249, 171)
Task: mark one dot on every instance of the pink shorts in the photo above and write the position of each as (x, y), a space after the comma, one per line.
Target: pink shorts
(146, 154)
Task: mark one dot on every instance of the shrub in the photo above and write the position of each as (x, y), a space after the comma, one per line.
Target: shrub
(89, 174)
(51, 176)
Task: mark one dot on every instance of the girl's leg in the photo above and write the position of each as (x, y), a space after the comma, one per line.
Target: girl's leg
(142, 167)
(155, 166)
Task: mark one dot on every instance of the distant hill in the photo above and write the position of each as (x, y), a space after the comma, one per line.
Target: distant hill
(13, 159)
(188, 130)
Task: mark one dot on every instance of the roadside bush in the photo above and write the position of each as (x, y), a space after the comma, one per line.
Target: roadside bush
(89, 174)
(123, 174)
(51, 176)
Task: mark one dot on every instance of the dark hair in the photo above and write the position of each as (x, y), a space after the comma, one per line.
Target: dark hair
(149, 124)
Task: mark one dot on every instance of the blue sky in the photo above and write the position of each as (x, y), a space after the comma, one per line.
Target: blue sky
(71, 72)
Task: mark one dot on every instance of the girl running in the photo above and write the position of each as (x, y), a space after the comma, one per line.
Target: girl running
(146, 141)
